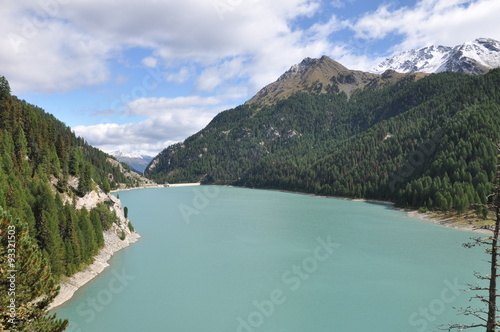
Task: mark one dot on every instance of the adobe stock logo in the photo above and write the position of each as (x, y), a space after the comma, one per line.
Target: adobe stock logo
(422, 319)
(201, 199)
(30, 27)
(93, 305)
(151, 81)
(416, 159)
(292, 279)
(224, 6)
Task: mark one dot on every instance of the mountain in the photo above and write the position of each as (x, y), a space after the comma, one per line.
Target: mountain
(54, 206)
(136, 161)
(476, 57)
(422, 143)
(322, 75)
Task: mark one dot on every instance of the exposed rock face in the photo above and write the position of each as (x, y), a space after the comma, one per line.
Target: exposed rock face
(322, 75)
(113, 242)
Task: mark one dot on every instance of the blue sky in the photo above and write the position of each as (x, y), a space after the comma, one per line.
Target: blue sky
(139, 75)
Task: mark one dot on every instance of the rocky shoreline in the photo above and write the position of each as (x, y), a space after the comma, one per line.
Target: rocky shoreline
(445, 223)
(171, 185)
(112, 244)
(449, 223)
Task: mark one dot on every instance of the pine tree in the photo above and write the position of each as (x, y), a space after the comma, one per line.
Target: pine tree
(105, 186)
(97, 226)
(87, 236)
(35, 286)
(85, 182)
(4, 88)
(75, 161)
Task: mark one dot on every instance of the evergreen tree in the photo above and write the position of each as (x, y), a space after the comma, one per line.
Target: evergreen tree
(4, 88)
(75, 161)
(34, 287)
(105, 186)
(88, 242)
(97, 226)
(85, 182)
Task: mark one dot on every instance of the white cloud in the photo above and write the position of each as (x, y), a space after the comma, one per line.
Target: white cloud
(150, 62)
(442, 22)
(65, 45)
(182, 76)
(168, 120)
(42, 53)
(229, 52)
(34, 65)
(156, 106)
(213, 76)
(73, 43)
(129, 137)
(338, 4)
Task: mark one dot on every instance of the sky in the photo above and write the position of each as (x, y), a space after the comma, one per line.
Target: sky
(139, 75)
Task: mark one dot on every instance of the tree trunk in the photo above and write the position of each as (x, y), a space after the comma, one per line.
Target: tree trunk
(492, 301)
(492, 305)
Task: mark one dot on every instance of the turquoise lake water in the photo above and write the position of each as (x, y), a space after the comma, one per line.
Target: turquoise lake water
(222, 259)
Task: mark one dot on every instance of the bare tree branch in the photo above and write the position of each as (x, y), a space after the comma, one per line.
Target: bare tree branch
(488, 316)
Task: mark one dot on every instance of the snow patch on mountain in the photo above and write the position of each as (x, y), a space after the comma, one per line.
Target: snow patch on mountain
(299, 68)
(137, 161)
(123, 154)
(474, 57)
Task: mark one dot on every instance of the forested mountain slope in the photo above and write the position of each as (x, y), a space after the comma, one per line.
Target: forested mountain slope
(427, 143)
(44, 169)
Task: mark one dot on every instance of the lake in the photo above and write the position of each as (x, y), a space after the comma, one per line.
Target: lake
(223, 259)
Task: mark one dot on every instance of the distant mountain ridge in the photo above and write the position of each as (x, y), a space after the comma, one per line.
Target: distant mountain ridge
(475, 57)
(135, 160)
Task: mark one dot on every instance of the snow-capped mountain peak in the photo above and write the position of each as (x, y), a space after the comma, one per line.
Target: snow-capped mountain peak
(123, 154)
(476, 57)
(484, 50)
(137, 161)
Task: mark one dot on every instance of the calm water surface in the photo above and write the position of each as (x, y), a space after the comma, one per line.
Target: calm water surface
(221, 259)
